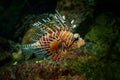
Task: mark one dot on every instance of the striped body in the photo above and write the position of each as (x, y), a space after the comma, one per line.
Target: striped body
(55, 43)
(53, 39)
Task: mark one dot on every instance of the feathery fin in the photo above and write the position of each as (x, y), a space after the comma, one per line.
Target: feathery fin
(27, 50)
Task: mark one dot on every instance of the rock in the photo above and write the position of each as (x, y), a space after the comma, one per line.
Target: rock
(101, 36)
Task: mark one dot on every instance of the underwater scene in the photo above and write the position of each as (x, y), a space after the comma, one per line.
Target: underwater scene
(59, 40)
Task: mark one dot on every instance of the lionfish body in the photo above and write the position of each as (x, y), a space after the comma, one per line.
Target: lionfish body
(55, 39)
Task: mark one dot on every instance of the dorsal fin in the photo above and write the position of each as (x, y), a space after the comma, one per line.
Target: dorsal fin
(60, 19)
(51, 23)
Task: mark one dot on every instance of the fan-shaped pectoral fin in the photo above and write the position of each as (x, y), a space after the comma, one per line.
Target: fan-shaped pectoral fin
(63, 53)
(62, 50)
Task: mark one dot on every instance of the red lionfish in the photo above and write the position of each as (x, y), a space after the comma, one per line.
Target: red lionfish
(53, 41)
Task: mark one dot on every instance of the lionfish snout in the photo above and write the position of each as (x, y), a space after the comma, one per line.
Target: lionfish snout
(80, 42)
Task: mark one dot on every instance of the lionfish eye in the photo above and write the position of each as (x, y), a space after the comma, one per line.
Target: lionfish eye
(76, 37)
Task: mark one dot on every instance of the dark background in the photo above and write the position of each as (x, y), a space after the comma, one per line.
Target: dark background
(12, 11)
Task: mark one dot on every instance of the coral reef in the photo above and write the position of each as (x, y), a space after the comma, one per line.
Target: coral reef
(32, 70)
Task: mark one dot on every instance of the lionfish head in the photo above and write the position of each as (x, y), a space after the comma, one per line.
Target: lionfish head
(78, 41)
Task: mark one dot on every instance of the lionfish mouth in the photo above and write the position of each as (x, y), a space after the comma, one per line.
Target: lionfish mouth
(80, 42)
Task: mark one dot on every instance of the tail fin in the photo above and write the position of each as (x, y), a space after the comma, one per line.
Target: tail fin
(27, 51)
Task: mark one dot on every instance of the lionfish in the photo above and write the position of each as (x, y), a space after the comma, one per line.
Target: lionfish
(54, 38)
